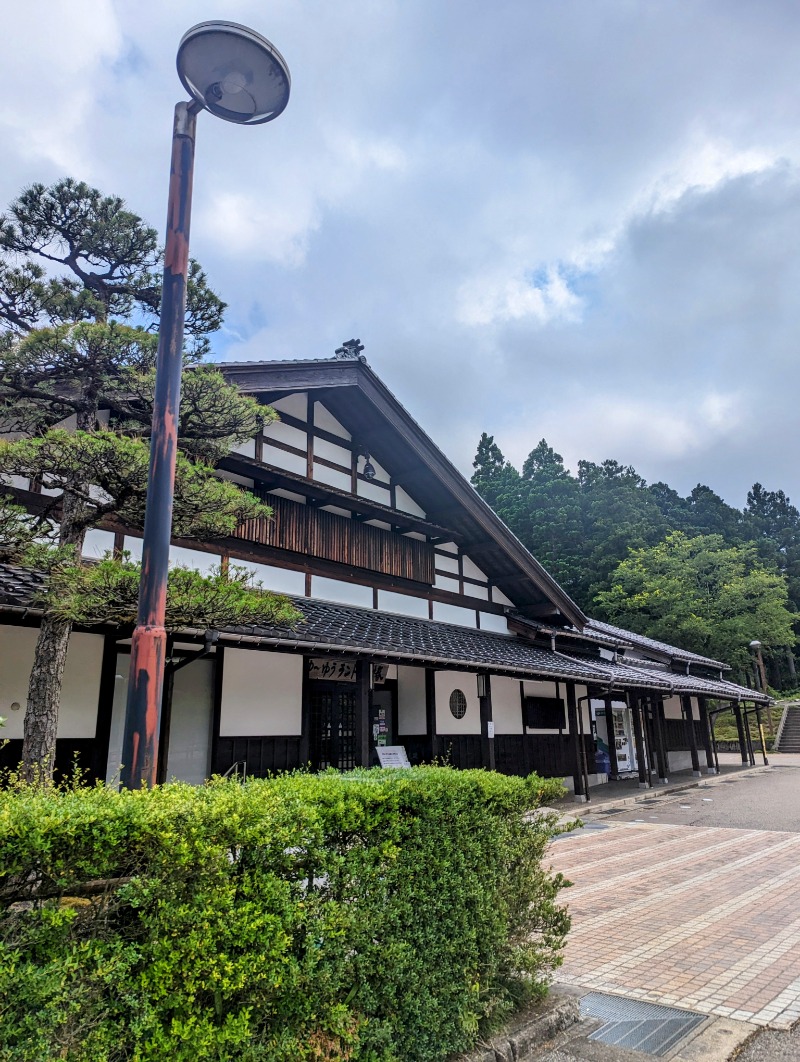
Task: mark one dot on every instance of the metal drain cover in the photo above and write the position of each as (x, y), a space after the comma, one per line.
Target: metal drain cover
(638, 1026)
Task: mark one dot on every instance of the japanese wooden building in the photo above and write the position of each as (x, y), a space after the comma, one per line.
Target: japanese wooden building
(426, 623)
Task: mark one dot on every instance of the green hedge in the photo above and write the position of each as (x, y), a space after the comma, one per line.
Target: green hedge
(375, 915)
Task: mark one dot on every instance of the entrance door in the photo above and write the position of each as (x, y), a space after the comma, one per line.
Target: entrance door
(381, 730)
(623, 740)
(333, 725)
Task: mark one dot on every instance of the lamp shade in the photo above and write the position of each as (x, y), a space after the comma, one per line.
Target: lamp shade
(233, 72)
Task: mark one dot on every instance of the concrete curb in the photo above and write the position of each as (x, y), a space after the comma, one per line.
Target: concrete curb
(580, 810)
(528, 1031)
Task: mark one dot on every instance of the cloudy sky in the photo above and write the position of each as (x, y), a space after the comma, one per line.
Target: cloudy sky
(577, 219)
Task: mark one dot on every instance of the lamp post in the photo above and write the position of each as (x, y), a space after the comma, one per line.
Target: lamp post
(237, 75)
(755, 645)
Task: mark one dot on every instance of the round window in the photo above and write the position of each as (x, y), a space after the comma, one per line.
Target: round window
(458, 704)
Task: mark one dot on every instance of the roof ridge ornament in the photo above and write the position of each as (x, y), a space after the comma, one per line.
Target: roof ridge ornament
(350, 350)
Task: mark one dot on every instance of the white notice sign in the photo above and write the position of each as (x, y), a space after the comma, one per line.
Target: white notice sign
(490, 729)
(393, 756)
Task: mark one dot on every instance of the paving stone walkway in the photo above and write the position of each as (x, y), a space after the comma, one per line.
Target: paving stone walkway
(698, 917)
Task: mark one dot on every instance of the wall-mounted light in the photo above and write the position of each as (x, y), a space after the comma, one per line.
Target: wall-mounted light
(369, 468)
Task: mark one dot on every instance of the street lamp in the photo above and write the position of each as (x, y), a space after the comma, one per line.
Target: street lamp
(755, 645)
(237, 75)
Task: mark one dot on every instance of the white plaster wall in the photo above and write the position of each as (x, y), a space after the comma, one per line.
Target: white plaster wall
(332, 452)
(406, 503)
(464, 617)
(189, 754)
(506, 705)
(247, 448)
(331, 476)
(672, 708)
(326, 420)
(281, 580)
(447, 564)
(374, 491)
(182, 556)
(446, 722)
(477, 591)
(411, 700)
(286, 433)
(77, 717)
(283, 459)
(500, 598)
(680, 761)
(404, 604)
(339, 590)
(97, 543)
(472, 570)
(444, 582)
(261, 693)
(491, 622)
(296, 405)
(234, 477)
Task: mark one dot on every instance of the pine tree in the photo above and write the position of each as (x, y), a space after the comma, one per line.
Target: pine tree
(79, 294)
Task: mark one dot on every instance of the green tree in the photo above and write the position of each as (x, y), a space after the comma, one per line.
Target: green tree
(618, 514)
(79, 290)
(701, 594)
(551, 527)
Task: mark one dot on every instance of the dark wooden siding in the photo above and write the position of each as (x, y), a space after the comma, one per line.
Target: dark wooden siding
(676, 737)
(317, 533)
(461, 750)
(263, 755)
(69, 752)
(549, 755)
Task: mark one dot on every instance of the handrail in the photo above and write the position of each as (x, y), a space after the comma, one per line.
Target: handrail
(234, 771)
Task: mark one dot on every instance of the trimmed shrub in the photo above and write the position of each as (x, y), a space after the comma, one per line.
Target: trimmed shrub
(375, 915)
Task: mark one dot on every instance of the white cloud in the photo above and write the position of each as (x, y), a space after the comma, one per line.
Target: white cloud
(632, 429)
(52, 83)
(485, 300)
(249, 226)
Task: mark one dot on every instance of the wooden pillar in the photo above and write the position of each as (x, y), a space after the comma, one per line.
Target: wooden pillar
(691, 737)
(167, 692)
(661, 745)
(737, 711)
(105, 705)
(641, 762)
(761, 733)
(612, 741)
(575, 743)
(363, 691)
(216, 720)
(487, 723)
(304, 751)
(704, 725)
(751, 752)
(430, 714)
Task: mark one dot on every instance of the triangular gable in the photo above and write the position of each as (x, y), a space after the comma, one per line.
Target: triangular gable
(360, 405)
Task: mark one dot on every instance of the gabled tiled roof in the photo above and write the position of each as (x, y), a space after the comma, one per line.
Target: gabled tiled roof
(601, 628)
(18, 586)
(329, 627)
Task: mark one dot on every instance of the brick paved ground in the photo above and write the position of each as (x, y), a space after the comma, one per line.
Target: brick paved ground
(678, 915)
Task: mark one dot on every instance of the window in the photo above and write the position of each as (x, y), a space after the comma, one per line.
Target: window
(458, 704)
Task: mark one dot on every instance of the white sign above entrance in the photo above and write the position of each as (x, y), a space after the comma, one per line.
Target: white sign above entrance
(321, 668)
(393, 756)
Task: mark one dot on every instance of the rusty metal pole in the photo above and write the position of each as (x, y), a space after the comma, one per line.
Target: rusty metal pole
(148, 648)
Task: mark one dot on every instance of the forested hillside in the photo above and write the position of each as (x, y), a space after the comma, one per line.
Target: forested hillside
(711, 576)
